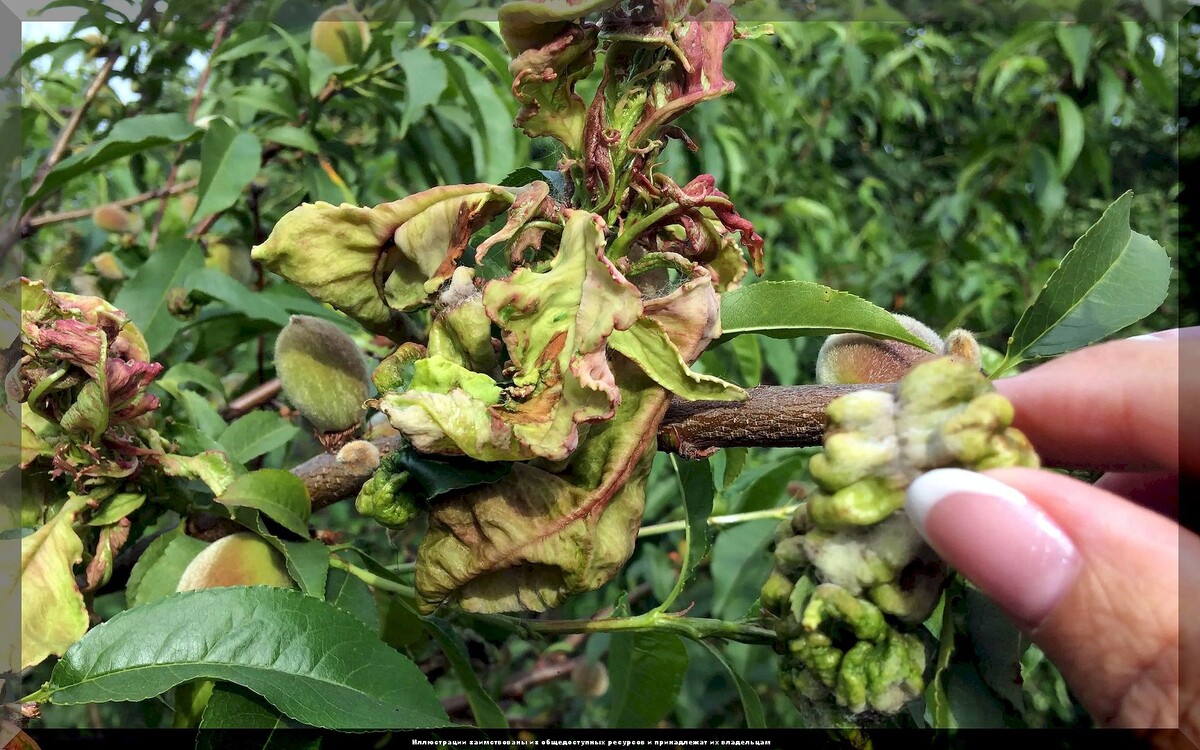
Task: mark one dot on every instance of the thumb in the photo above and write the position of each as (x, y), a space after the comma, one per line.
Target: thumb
(1092, 578)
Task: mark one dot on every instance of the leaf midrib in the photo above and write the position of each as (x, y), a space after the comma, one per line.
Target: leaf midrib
(95, 682)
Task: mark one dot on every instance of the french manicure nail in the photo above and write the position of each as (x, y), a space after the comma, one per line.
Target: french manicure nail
(997, 538)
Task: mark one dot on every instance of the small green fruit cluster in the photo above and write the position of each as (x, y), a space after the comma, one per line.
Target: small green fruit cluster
(853, 580)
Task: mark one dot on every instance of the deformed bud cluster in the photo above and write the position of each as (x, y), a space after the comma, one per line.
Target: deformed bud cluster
(853, 580)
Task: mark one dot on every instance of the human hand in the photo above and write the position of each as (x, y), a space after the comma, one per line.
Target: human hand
(1097, 575)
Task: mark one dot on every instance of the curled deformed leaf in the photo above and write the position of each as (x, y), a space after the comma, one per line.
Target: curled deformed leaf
(556, 324)
(690, 314)
(447, 409)
(535, 537)
(525, 24)
(700, 74)
(53, 615)
(544, 84)
(532, 202)
(372, 262)
(461, 330)
(646, 343)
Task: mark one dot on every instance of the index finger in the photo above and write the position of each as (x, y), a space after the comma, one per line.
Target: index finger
(1115, 406)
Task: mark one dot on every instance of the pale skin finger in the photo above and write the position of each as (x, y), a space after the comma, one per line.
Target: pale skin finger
(1115, 406)
(1098, 582)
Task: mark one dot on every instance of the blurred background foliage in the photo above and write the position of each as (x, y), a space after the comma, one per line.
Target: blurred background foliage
(938, 168)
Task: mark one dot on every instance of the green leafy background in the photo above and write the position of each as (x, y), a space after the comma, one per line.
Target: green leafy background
(937, 169)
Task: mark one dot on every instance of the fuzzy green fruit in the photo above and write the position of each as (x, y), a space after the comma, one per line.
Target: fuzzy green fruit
(322, 372)
(847, 358)
(114, 218)
(236, 560)
(231, 261)
(342, 34)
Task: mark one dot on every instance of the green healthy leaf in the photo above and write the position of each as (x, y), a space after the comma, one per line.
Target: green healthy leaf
(646, 343)
(157, 572)
(487, 713)
(400, 625)
(939, 714)
(235, 707)
(349, 594)
(1076, 43)
(256, 433)
(290, 135)
(487, 52)
(493, 136)
(646, 670)
(431, 475)
(735, 463)
(190, 372)
(129, 136)
(308, 564)
(426, 79)
(117, 507)
(201, 414)
(1111, 278)
(229, 160)
(256, 45)
(525, 175)
(279, 494)
(750, 702)
(1071, 133)
(748, 352)
(972, 704)
(786, 309)
(261, 97)
(997, 644)
(696, 486)
(1112, 91)
(315, 663)
(298, 71)
(740, 563)
(223, 287)
(53, 615)
(144, 297)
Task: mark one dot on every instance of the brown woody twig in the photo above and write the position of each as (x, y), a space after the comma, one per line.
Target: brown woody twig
(82, 213)
(773, 416)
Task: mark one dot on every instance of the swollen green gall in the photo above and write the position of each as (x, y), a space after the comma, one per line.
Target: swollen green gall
(847, 358)
(323, 373)
(853, 581)
(383, 498)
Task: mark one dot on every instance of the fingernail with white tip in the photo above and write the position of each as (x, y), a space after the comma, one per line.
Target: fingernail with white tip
(1171, 334)
(997, 538)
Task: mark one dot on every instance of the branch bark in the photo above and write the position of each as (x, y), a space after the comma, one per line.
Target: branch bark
(772, 417)
(82, 213)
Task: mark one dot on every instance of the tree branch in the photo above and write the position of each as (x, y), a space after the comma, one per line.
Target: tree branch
(12, 234)
(516, 688)
(82, 213)
(772, 417)
(224, 16)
